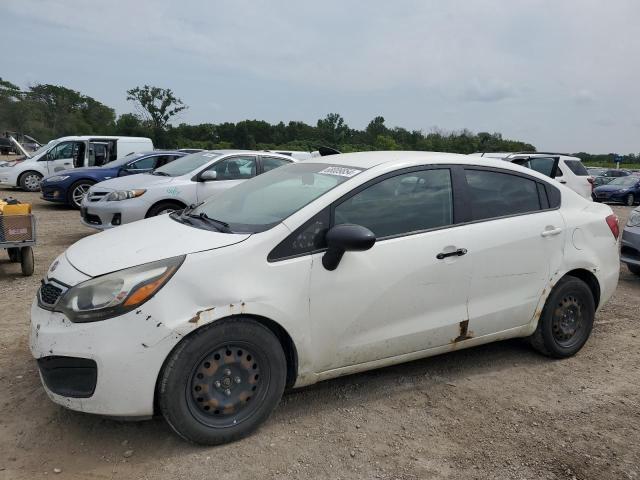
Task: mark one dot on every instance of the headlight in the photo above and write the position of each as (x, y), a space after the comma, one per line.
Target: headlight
(634, 219)
(124, 195)
(118, 292)
(56, 178)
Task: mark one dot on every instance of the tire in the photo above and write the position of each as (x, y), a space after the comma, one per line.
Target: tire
(635, 269)
(14, 254)
(164, 207)
(570, 305)
(77, 192)
(205, 394)
(26, 261)
(630, 200)
(30, 181)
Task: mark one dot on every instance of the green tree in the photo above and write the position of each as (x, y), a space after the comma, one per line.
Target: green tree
(156, 105)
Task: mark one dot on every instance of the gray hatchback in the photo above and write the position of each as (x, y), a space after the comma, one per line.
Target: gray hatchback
(630, 252)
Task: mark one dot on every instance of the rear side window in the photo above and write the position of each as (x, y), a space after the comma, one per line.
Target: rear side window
(309, 238)
(577, 168)
(402, 204)
(269, 163)
(494, 194)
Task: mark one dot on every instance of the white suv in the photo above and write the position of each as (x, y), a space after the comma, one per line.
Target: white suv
(563, 168)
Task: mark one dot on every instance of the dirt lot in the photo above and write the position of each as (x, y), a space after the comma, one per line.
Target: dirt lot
(497, 411)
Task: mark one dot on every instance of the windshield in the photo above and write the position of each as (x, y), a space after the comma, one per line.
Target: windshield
(264, 201)
(624, 181)
(44, 148)
(120, 161)
(186, 164)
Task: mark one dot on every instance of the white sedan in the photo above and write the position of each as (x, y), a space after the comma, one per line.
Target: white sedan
(186, 181)
(315, 270)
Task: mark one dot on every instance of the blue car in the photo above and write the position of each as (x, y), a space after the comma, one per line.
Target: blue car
(70, 186)
(624, 190)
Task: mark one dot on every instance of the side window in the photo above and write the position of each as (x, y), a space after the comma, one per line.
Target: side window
(494, 194)
(306, 239)
(544, 165)
(164, 159)
(269, 163)
(147, 163)
(235, 168)
(61, 151)
(402, 204)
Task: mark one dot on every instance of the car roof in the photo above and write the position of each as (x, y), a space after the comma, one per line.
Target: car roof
(401, 159)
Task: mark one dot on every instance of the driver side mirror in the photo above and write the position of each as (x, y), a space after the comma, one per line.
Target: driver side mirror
(346, 238)
(208, 176)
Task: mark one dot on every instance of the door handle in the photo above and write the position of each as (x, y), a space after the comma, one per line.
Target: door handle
(562, 181)
(550, 232)
(67, 163)
(456, 253)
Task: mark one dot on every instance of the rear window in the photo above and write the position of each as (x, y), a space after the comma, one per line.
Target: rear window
(577, 168)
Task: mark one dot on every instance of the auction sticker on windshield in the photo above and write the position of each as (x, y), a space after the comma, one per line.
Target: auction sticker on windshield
(341, 171)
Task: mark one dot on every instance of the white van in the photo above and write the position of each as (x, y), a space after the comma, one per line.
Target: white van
(564, 169)
(69, 152)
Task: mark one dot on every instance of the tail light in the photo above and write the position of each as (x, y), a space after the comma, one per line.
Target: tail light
(612, 221)
(592, 181)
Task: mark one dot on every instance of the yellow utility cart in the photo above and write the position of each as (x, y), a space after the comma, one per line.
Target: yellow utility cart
(18, 234)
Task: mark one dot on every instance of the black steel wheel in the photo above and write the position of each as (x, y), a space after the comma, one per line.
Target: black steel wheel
(566, 320)
(220, 383)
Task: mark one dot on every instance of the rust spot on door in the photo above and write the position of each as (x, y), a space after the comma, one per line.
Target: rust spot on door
(465, 334)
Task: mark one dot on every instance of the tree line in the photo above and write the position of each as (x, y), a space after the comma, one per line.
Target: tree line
(46, 111)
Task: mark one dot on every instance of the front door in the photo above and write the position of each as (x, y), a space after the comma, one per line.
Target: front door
(230, 171)
(401, 296)
(64, 156)
(517, 247)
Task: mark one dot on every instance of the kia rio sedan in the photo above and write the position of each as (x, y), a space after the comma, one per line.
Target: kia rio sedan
(315, 270)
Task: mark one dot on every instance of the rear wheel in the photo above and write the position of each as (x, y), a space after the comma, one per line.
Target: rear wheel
(26, 261)
(30, 181)
(635, 269)
(163, 208)
(14, 254)
(566, 320)
(77, 192)
(630, 200)
(222, 382)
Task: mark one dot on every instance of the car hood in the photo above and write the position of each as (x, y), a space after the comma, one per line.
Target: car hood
(610, 188)
(84, 170)
(142, 242)
(140, 180)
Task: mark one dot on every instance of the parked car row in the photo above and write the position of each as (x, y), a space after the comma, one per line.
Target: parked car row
(305, 271)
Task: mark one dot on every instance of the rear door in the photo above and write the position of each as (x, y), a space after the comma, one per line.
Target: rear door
(230, 171)
(517, 244)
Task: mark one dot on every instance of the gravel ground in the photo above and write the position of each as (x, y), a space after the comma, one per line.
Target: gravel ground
(498, 411)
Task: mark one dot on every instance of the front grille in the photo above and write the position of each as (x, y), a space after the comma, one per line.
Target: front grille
(49, 294)
(96, 196)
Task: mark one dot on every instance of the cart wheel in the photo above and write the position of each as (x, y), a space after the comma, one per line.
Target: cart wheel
(26, 261)
(14, 254)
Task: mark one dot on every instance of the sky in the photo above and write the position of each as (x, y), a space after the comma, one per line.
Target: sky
(563, 75)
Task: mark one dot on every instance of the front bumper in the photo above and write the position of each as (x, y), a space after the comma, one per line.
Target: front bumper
(53, 193)
(128, 353)
(7, 177)
(630, 246)
(103, 215)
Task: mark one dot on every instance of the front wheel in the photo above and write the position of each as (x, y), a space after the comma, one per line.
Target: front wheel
(77, 192)
(630, 200)
(30, 181)
(163, 208)
(566, 320)
(222, 382)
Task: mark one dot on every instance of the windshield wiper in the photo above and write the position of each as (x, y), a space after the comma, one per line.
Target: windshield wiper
(163, 174)
(219, 224)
